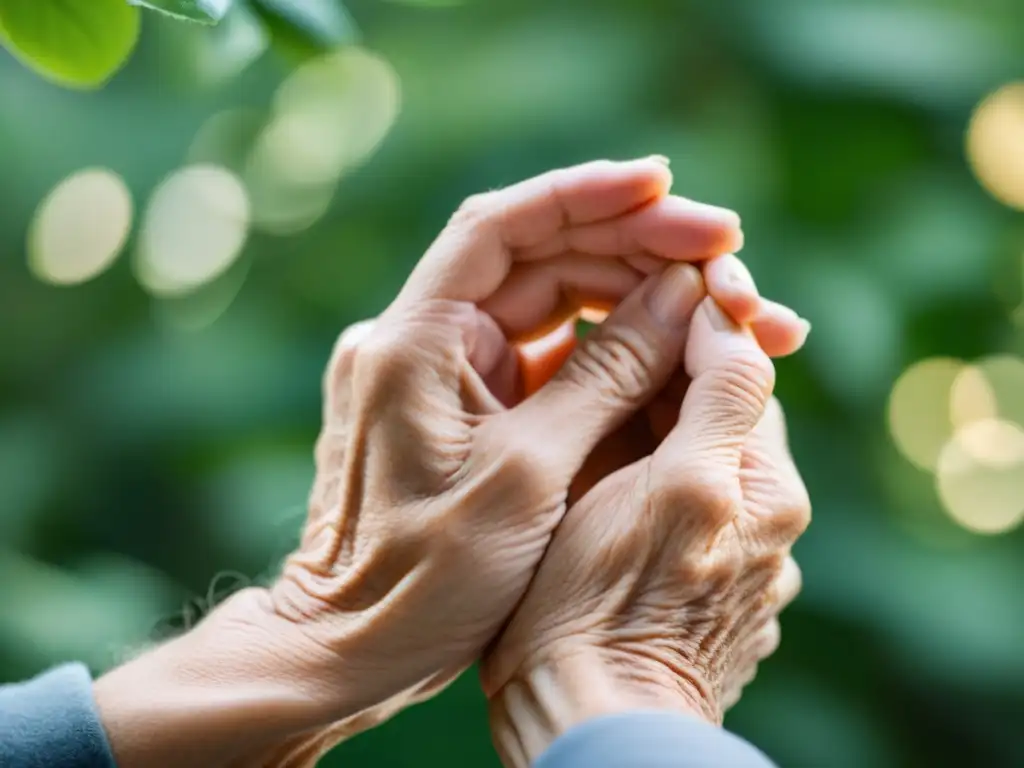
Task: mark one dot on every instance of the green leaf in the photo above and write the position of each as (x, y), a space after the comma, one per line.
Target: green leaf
(203, 11)
(303, 28)
(78, 43)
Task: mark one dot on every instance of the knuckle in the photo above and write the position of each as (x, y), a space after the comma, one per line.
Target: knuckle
(791, 583)
(617, 361)
(701, 494)
(522, 461)
(715, 578)
(381, 353)
(793, 516)
(338, 373)
(769, 639)
(355, 333)
(511, 458)
(338, 370)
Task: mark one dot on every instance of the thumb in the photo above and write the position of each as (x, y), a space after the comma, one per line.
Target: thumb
(696, 469)
(732, 382)
(616, 369)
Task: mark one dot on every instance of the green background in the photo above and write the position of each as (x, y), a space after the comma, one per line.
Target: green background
(140, 464)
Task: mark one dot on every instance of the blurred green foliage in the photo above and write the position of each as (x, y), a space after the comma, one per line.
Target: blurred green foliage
(138, 460)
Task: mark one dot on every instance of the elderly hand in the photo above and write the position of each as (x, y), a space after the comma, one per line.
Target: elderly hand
(439, 484)
(661, 586)
(434, 500)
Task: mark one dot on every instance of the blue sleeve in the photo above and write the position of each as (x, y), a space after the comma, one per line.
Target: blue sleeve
(650, 740)
(52, 722)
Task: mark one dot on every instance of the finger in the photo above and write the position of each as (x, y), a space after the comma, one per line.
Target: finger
(670, 228)
(732, 286)
(616, 369)
(538, 297)
(694, 473)
(474, 253)
(732, 380)
(779, 330)
(491, 355)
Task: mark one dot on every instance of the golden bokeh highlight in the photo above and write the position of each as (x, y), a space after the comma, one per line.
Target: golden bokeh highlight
(964, 423)
(995, 144)
(194, 228)
(80, 227)
(980, 476)
(1004, 378)
(971, 398)
(920, 409)
(328, 117)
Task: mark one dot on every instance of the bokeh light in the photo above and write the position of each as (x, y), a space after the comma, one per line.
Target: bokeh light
(80, 227)
(980, 476)
(971, 398)
(1004, 378)
(328, 117)
(995, 144)
(194, 228)
(964, 422)
(920, 409)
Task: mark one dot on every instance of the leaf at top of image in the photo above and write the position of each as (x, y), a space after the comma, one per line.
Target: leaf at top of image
(76, 43)
(203, 11)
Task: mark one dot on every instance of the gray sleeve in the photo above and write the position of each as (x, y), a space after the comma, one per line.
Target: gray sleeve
(52, 722)
(650, 740)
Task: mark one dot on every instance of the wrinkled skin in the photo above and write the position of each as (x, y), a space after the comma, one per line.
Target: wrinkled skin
(674, 583)
(439, 484)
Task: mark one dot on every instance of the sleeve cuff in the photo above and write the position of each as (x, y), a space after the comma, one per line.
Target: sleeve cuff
(52, 722)
(651, 740)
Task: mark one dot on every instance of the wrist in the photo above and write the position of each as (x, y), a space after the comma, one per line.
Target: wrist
(541, 703)
(232, 691)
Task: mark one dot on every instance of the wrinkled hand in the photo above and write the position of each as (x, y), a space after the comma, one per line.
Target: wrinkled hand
(778, 330)
(438, 485)
(661, 586)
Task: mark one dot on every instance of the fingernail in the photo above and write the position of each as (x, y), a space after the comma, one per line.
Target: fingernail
(675, 294)
(785, 314)
(660, 159)
(738, 275)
